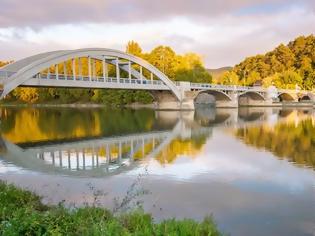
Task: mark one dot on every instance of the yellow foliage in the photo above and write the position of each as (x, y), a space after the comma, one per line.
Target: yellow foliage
(177, 148)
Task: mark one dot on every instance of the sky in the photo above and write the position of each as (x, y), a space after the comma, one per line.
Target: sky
(223, 32)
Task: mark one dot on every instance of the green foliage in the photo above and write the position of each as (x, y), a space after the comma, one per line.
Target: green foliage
(290, 65)
(121, 97)
(22, 213)
(228, 77)
(197, 74)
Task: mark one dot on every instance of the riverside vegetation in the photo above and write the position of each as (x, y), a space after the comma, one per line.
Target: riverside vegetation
(22, 213)
(286, 66)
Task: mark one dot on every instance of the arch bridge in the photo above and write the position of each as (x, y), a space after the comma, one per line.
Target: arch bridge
(112, 69)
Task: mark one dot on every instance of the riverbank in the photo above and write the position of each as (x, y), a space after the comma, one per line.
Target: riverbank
(153, 106)
(22, 213)
(77, 105)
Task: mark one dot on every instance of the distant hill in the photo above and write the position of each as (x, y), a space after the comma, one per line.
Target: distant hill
(216, 73)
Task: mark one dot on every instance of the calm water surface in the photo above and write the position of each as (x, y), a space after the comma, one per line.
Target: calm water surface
(253, 169)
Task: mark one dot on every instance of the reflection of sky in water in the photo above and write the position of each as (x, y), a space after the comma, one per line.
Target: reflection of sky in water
(246, 168)
(8, 167)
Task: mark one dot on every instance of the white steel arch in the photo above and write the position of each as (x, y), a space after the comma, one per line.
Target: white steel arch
(23, 70)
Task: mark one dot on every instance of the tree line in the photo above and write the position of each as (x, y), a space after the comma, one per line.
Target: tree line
(285, 67)
(186, 67)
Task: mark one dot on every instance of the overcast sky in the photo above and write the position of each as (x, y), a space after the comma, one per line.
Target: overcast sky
(223, 31)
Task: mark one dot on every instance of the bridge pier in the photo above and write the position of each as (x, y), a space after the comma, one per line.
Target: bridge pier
(247, 101)
(232, 103)
(165, 100)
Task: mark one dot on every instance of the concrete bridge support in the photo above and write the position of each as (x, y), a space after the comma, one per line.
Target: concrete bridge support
(165, 100)
(231, 103)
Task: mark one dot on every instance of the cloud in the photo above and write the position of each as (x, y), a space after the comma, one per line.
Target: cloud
(38, 13)
(224, 33)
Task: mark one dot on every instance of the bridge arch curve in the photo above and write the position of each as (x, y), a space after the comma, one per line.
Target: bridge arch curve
(23, 70)
(253, 95)
(305, 97)
(286, 97)
(218, 95)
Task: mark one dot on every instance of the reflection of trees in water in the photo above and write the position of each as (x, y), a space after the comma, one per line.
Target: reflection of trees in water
(3, 148)
(7, 119)
(190, 147)
(291, 141)
(41, 124)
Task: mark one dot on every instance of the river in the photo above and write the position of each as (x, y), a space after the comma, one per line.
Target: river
(253, 169)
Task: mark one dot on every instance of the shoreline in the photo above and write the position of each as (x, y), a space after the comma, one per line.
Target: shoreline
(77, 105)
(147, 106)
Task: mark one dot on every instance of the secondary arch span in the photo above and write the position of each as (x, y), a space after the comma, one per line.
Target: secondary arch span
(23, 70)
(218, 95)
(286, 97)
(253, 95)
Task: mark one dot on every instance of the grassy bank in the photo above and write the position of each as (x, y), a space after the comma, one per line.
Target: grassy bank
(22, 213)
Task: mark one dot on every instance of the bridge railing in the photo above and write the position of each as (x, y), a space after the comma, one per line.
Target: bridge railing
(6, 74)
(224, 87)
(100, 79)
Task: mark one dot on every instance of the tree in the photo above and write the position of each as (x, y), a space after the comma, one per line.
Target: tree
(252, 78)
(134, 48)
(29, 95)
(229, 78)
(188, 61)
(288, 79)
(164, 58)
(284, 55)
(197, 74)
(282, 64)
(309, 81)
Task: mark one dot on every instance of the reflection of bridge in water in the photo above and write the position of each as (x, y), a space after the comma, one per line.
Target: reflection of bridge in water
(112, 155)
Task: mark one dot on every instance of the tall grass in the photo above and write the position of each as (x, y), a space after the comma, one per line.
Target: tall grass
(22, 213)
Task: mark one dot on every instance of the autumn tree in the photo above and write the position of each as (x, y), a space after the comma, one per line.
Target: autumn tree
(229, 78)
(134, 48)
(295, 60)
